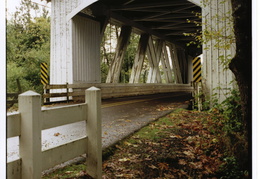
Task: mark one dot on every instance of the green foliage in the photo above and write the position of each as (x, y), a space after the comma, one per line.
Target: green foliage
(129, 58)
(235, 145)
(230, 108)
(230, 169)
(28, 45)
(108, 52)
(16, 72)
(107, 49)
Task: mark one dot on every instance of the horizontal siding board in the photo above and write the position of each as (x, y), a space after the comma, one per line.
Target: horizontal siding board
(13, 125)
(63, 153)
(63, 115)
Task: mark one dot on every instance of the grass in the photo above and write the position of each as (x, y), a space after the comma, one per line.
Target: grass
(73, 171)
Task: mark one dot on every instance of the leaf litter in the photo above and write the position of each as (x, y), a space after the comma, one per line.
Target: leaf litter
(180, 145)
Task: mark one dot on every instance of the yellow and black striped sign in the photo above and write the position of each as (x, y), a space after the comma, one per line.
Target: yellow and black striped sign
(44, 74)
(196, 66)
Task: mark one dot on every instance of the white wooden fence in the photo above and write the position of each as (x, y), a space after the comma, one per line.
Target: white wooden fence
(31, 120)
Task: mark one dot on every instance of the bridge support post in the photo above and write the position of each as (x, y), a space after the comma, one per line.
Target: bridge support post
(175, 64)
(166, 65)
(139, 59)
(116, 65)
(182, 59)
(154, 53)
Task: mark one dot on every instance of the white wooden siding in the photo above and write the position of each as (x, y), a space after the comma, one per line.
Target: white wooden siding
(86, 50)
(215, 78)
(62, 62)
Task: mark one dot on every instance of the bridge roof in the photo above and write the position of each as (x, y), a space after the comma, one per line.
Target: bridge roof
(165, 19)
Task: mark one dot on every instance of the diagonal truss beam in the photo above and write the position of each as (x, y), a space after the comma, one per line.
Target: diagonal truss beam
(115, 68)
(139, 59)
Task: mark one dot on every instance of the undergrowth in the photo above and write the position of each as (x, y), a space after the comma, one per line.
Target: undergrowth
(229, 114)
(184, 144)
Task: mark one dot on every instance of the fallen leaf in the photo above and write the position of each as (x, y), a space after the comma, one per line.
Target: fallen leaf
(152, 167)
(163, 166)
(182, 162)
(57, 134)
(196, 165)
(189, 154)
(117, 146)
(127, 143)
(176, 136)
(123, 159)
(125, 175)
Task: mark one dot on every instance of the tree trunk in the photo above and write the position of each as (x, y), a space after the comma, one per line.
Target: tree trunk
(241, 64)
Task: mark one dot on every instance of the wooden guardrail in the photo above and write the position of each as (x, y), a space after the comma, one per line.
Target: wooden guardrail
(112, 90)
(12, 98)
(30, 120)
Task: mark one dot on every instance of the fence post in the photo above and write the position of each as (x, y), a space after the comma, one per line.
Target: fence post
(94, 154)
(30, 140)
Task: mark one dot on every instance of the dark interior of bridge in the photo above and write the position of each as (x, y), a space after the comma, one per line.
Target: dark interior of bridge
(164, 19)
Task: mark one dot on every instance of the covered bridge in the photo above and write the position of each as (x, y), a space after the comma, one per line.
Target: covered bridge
(77, 27)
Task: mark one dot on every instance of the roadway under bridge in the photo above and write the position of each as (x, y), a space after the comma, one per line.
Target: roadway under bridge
(78, 26)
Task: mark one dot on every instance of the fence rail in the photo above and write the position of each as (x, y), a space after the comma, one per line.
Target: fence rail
(12, 98)
(30, 120)
(110, 90)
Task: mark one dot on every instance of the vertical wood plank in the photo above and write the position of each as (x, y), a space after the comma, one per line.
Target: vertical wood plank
(30, 139)
(222, 73)
(215, 50)
(85, 50)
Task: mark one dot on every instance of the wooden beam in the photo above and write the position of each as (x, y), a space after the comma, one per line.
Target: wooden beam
(118, 19)
(180, 32)
(151, 5)
(139, 59)
(166, 65)
(128, 2)
(168, 12)
(171, 16)
(182, 64)
(154, 54)
(115, 68)
(167, 26)
(175, 63)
